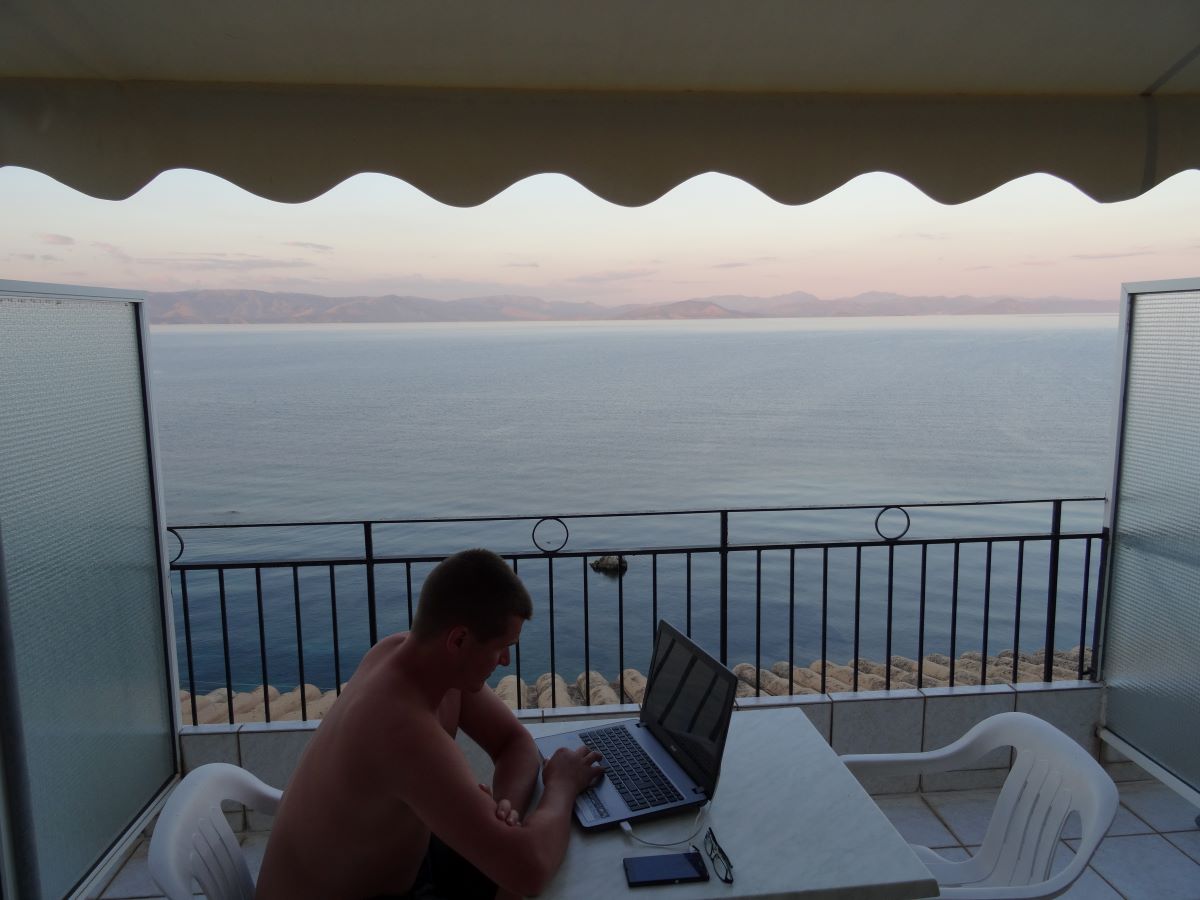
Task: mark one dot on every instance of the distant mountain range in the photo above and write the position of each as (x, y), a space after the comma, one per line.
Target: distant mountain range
(228, 307)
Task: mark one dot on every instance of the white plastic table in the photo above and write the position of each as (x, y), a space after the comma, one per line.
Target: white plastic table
(790, 816)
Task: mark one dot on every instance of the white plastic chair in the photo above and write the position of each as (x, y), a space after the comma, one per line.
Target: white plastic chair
(1051, 777)
(193, 839)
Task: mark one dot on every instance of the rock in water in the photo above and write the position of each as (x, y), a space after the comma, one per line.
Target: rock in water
(610, 565)
(635, 686)
(508, 690)
(594, 687)
(552, 691)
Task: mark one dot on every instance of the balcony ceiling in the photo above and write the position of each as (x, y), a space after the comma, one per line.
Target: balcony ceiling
(461, 98)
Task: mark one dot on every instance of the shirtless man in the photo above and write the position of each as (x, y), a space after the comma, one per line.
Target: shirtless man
(382, 773)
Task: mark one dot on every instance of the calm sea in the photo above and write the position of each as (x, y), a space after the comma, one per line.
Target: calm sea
(287, 424)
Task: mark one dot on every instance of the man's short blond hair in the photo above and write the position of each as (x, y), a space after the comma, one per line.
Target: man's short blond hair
(475, 588)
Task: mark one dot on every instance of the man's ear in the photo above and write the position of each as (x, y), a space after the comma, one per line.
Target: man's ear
(456, 637)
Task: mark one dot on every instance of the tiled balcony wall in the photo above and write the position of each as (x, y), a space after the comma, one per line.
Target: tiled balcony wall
(866, 722)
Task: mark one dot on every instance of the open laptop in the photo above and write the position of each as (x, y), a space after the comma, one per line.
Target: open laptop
(670, 756)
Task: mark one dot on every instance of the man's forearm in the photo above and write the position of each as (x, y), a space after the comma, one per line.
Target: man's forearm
(516, 774)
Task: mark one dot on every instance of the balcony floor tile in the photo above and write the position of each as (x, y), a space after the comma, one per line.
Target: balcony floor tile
(914, 819)
(1146, 867)
(1160, 806)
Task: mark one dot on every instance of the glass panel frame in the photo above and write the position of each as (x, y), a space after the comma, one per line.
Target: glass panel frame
(1151, 622)
(157, 725)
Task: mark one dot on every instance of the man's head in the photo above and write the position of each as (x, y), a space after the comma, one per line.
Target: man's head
(475, 589)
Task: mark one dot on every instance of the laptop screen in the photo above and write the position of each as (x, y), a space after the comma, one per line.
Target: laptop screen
(688, 703)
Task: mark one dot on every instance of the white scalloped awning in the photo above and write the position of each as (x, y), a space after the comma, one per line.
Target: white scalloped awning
(461, 98)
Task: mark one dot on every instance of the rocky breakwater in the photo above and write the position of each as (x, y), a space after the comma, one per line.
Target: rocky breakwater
(781, 680)
(595, 689)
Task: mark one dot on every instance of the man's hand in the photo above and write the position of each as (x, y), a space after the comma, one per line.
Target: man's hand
(504, 809)
(576, 768)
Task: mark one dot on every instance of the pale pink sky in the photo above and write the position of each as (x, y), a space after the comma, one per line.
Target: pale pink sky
(549, 237)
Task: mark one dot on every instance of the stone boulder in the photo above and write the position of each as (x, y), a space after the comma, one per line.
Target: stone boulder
(635, 686)
(768, 682)
(552, 691)
(509, 689)
(594, 689)
(610, 565)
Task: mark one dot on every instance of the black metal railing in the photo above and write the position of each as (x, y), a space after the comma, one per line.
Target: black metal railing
(300, 601)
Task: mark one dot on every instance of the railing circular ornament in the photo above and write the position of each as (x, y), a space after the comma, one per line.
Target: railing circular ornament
(545, 548)
(903, 532)
(179, 538)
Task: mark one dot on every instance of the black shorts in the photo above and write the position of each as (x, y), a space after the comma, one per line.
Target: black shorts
(444, 875)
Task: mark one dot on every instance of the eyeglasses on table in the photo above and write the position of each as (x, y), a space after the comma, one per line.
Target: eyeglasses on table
(721, 864)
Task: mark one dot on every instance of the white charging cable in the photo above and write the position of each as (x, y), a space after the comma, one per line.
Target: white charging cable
(628, 829)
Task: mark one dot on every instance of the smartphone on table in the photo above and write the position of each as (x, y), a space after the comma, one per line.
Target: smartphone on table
(665, 868)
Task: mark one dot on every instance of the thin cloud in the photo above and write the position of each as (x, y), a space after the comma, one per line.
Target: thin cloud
(240, 262)
(978, 268)
(523, 265)
(36, 257)
(729, 265)
(308, 245)
(925, 235)
(620, 275)
(59, 240)
(112, 250)
(1113, 255)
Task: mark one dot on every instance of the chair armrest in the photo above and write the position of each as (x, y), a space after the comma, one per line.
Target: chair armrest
(957, 755)
(267, 802)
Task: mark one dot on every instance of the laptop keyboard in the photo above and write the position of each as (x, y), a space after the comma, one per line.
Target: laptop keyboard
(632, 772)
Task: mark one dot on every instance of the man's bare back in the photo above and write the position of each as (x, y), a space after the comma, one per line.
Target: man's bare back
(349, 778)
(383, 770)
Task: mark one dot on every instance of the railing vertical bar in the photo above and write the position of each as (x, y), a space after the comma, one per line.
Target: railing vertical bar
(1017, 610)
(857, 613)
(262, 642)
(187, 644)
(1087, 575)
(621, 625)
(791, 619)
(654, 592)
(689, 594)
(553, 662)
(299, 642)
(1098, 614)
(987, 609)
(758, 624)
(520, 690)
(337, 650)
(724, 587)
(369, 561)
(1052, 590)
(921, 619)
(887, 667)
(587, 641)
(824, 614)
(408, 590)
(225, 644)
(954, 614)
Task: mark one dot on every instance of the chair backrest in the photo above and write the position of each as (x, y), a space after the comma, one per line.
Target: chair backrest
(192, 838)
(1051, 777)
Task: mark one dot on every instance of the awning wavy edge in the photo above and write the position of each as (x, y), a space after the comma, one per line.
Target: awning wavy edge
(462, 148)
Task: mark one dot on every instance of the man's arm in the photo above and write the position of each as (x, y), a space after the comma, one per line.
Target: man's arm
(492, 725)
(437, 784)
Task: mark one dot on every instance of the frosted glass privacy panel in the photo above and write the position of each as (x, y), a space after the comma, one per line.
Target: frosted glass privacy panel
(78, 518)
(1152, 647)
